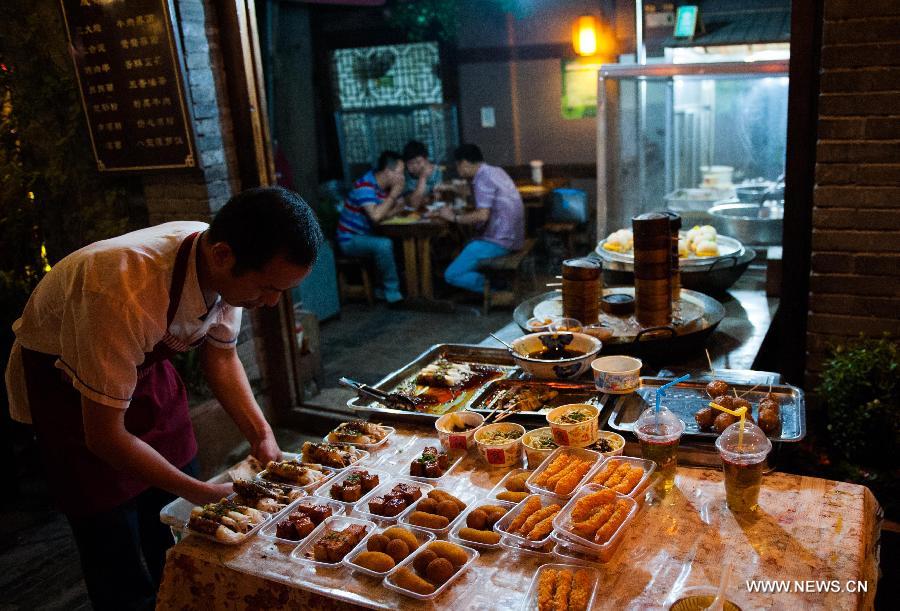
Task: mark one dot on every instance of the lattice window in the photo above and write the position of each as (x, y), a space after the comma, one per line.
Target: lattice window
(391, 75)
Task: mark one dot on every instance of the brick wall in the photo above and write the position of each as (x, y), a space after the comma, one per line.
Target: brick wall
(855, 283)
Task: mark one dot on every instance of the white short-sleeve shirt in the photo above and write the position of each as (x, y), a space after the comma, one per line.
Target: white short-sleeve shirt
(103, 307)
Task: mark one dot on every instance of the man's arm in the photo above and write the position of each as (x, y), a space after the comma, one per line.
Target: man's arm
(388, 206)
(477, 216)
(228, 381)
(106, 437)
(417, 196)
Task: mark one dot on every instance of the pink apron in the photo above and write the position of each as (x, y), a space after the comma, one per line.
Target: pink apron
(82, 483)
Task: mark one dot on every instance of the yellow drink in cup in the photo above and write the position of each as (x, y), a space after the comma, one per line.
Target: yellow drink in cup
(743, 460)
(659, 436)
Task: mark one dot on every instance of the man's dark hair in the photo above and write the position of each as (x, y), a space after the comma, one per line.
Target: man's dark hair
(414, 149)
(260, 224)
(387, 158)
(468, 152)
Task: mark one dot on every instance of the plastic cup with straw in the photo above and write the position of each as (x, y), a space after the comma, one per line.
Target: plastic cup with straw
(743, 448)
(659, 432)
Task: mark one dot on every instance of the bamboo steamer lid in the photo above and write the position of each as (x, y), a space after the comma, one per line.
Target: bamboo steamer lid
(581, 269)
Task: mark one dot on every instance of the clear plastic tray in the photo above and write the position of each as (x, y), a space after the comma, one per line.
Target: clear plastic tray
(540, 552)
(503, 524)
(399, 462)
(363, 455)
(637, 493)
(530, 601)
(389, 584)
(562, 524)
(362, 505)
(269, 531)
(501, 486)
(566, 552)
(324, 490)
(422, 537)
(366, 446)
(577, 453)
(267, 517)
(461, 523)
(308, 488)
(438, 532)
(336, 523)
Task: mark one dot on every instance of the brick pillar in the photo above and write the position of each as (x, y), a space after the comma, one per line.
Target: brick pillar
(855, 282)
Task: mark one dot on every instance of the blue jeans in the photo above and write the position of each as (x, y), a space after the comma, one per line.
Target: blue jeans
(381, 250)
(463, 272)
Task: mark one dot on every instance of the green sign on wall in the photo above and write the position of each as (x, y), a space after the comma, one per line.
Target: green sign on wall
(579, 89)
(686, 21)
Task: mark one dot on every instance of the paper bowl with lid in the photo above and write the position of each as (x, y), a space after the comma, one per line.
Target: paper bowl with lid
(535, 353)
(500, 444)
(575, 424)
(456, 430)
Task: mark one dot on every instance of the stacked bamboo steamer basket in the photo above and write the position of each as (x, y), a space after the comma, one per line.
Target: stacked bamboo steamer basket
(656, 272)
(582, 289)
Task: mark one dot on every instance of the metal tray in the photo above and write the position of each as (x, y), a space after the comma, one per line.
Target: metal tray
(569, 392)
(464, 353)
(687, 397)
(729, 247)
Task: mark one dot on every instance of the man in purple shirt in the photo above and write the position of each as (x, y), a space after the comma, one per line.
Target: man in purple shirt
(498, 209)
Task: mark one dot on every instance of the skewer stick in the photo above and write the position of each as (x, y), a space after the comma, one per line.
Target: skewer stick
(734, 390)
(750, 390)
(709, 360)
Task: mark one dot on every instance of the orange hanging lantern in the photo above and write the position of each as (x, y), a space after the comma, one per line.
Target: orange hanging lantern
(586, 35)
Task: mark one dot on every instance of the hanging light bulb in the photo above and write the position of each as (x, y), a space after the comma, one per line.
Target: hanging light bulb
(585, 34)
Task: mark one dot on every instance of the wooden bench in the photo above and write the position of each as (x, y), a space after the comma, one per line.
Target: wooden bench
(506, 267)
(355, 267)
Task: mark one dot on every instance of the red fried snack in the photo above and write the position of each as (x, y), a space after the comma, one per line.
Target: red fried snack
(612, 525)
(563, 586)
(589, 504)
(531, 505)
(567, 484)
(546, 587)
(581, 591)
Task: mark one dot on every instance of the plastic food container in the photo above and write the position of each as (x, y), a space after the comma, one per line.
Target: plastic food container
(562, 526)
(266, 518)
(530, 601)
(637, 493)
(308, 488)
(391, 585)
(270, 529)
(362, 505)
(324, 490)
(362, 456)
(365, 446)
(422, 537)
(545, 551)
(539, 325)
(613, 439)
(455, 441)
(401, 461)
(582, 454)
(438, 532)
(502, 526)
(461, 523)
(334, 522)
(566, 325)
(567, 554)
(501, 486)
(617, 375)
(575, 434)
(534, 455)
(503, 454)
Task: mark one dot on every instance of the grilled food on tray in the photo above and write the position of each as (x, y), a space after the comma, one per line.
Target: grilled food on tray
(444, 373)
(524, 399)
(226, 520)
(331, 455)
(302, 521)
(333, 545)
(431, 463)
(293, 472)
(709, 419)
(358, 431)
(354, 486)
(264, 495)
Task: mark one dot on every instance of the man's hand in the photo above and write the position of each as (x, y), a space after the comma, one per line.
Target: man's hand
(266, 449)
(427, 171)
(210, 493)
(445, 212)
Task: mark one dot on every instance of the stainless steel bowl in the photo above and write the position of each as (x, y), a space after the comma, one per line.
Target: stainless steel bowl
(750, 223)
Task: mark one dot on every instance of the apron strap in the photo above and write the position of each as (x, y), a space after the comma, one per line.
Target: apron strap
(178, 275)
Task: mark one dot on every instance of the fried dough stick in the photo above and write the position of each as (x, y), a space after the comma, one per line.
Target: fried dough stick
(531, 505)
(588, 527)
(563, 586)
(588, 504)
(567, 484)
(617, 477)
(537, 516)
(581, 590)
(558, 464)
(629, 481)
(546, 586)
(608, 470)
(542, 528)
(606, 531)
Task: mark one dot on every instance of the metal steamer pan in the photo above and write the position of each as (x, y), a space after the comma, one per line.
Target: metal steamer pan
(655, 343)
(751, 223)
(732, 248)
(715, 278)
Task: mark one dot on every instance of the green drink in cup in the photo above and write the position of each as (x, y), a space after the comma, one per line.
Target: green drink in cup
(659, 435)
(743, 455)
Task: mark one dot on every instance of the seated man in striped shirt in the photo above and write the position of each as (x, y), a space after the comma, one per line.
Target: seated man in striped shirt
(375, 198)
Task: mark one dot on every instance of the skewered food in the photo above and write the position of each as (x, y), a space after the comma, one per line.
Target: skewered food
(431, 463)
(717, 388)
(333, 545)
(394, 502)
(770, 421)
(293, 472)
(302, 520)
(619, 475)
(352, 487)
(331, 455)
(264, 495)
(723, 421)
(358, 431)
(559, 590)
(563, 474)
(226, 520)
(705, 418)
(524, 399)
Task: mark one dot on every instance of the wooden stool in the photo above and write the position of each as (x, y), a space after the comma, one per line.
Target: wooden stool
(566, 232)
(355, 265)
(507, 267)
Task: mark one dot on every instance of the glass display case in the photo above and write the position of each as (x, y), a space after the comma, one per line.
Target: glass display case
(704, 140)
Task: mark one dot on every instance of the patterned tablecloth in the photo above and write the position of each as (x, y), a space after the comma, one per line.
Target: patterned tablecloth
(817, 538)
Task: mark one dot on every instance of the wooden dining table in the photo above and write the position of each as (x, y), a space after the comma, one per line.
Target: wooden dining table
(415, 232)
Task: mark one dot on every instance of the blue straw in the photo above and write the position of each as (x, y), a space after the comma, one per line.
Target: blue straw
(661, 392)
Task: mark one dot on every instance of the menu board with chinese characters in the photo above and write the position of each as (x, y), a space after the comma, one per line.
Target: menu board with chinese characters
(127, 63)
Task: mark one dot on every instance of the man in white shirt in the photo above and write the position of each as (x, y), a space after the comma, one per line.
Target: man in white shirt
(90, 370)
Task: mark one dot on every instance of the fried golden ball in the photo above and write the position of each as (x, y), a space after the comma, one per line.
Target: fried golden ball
(723, 421)
(439, 570)
(377, 543)
(397, 549)
(724, 401)
(448, 509)
(717, 388)
(477, 520)
(422, 560)
(705, 418)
